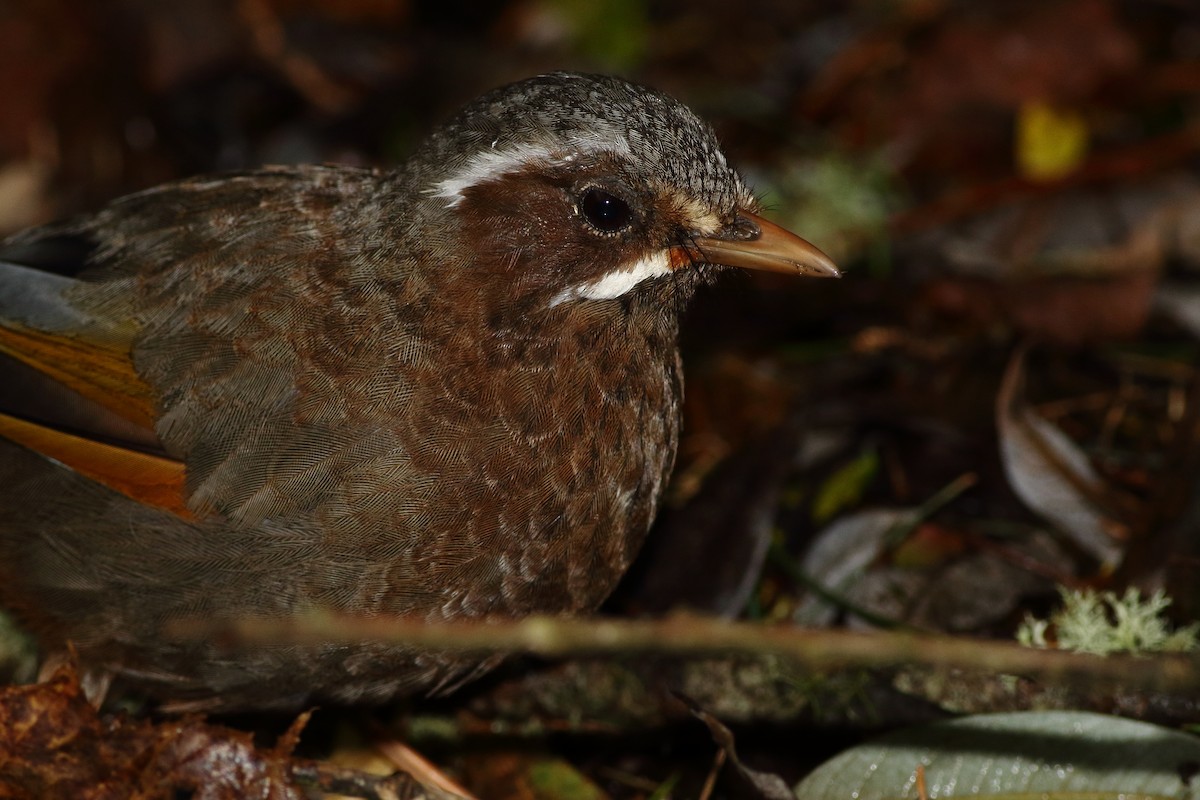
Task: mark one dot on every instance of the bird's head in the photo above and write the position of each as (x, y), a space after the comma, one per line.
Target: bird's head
(578, 189)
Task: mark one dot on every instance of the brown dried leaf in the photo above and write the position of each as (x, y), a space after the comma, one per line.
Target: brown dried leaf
(54, 744)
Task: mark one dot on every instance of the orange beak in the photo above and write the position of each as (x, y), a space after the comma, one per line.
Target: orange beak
(752, 242)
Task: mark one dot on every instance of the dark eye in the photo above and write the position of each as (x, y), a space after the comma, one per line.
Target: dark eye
(606, 212)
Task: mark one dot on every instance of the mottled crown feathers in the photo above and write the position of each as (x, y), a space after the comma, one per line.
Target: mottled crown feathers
(562, 115)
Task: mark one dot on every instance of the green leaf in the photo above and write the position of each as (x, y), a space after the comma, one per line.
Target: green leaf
(845, 487)
(1048, 755)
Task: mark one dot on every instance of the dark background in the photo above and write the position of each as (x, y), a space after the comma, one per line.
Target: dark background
(1012, 188)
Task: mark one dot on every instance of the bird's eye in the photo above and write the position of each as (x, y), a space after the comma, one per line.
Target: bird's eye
(604, 211)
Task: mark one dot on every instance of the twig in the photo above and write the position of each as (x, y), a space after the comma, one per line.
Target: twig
(700, 636)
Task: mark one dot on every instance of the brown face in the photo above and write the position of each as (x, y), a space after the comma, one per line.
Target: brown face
(590, 229)
(564, 230)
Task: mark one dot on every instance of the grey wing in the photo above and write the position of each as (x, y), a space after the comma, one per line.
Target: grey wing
(248, 304)
(231, 300)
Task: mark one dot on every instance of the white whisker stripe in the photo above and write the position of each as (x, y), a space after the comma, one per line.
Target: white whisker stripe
(619, 281)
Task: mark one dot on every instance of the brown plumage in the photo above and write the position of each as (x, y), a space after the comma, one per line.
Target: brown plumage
(448, 390)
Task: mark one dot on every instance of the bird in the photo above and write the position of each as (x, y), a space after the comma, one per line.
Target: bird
(445, 390)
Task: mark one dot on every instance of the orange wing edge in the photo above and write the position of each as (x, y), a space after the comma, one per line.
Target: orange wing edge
(149, 479)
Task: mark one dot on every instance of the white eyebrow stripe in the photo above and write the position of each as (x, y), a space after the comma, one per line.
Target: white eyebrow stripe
(487, 165)
(619, 281)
